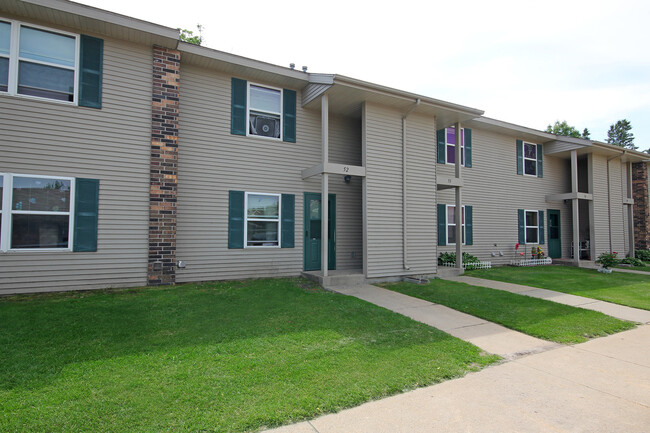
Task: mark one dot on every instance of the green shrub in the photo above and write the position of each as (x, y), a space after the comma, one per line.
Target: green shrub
(451, 258)
(607, 260)
(643, 255)
(632, 261)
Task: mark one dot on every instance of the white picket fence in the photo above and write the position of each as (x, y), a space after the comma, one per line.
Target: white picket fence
(479, 265)
(532, 262)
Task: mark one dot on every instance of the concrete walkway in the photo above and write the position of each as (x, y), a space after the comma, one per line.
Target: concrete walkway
(614, 310)
(599, 386)
(488, 336)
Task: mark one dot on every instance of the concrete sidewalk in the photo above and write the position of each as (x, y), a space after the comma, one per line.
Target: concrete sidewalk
(614, 310)
(599, 386)
(488, 336)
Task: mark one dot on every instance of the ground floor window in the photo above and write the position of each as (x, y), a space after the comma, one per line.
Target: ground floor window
(532, 226)
(36, 212)
(262, 220)
(451, 224)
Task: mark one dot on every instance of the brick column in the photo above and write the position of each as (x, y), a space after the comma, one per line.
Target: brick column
(641, 206)
(164, 166)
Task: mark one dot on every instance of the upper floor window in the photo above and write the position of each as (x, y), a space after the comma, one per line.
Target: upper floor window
(529, 158)
(264, 111)
(38, 62)
(447, 141)
(44, 63)
(450, 143)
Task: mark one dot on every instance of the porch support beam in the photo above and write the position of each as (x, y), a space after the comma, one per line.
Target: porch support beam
(569, 196)
(459, 203)
(325, 184)
(575, 213)
(446, 182)
(331, 168)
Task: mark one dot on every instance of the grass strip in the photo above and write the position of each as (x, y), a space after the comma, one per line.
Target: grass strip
(537, 317)
(621, 288)
(228, 356)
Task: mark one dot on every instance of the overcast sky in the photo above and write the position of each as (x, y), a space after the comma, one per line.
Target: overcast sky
(528, 63)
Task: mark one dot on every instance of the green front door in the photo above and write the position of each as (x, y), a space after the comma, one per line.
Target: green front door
(312, 252)
(554, 242)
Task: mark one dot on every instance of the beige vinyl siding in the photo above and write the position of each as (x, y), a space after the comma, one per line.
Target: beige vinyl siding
(42, 137)
(384, 198)
(495, 191)
(213, 162)
(601, 205)
(345, 148)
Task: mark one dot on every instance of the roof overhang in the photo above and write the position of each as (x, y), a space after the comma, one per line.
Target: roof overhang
(234, 65)
(347, 95)
(558, 145)
(82, 18)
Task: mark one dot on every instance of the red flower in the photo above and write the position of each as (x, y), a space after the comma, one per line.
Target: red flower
(517, 246)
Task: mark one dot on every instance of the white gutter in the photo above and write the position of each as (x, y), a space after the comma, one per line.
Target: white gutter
(404, 196)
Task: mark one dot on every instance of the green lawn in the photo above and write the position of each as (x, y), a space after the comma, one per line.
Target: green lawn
(618, 287)
(219, 357)
(536, 317)
(645, 268)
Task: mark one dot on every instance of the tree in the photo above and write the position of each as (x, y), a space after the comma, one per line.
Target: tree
(188, 35)
(620, 135)
(563, 128)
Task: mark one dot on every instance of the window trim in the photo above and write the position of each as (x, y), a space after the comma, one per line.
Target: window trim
(464, 224)
(14, 61)
(248, 111)
(278, 220)
(523, 151)
(462, 147)
(7, 214)
(526, 226)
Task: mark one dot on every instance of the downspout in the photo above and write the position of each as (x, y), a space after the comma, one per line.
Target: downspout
(404, 197)
(609, 198)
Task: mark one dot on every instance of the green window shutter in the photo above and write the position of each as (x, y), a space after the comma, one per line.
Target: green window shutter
(86, 212)
(540, 220)
(441, 146)
(521, 217)
(236, 219)
(442, 224)
(288, 220)
(90, 72)
(469, 225)
(468, 147)
(238, 107)
(289, 115)
(520, 157)
(540, 161)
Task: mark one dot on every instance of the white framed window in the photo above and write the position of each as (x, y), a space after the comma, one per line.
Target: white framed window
(36, 212)
(38, 62)
(530, 159)
(262, 225)
(532, 226)
(264, 114)
(451, 224)
(450, 146)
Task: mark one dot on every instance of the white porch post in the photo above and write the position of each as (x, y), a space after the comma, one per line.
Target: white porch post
(459, 204)
(630, 210)
(575, 214)
(325, 185)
